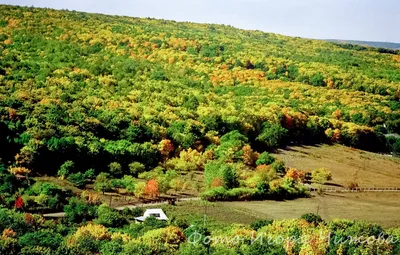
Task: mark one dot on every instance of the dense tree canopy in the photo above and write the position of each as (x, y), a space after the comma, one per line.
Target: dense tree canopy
(153, 107)
(88, 90)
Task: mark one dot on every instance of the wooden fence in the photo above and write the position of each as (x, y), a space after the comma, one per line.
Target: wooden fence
(367, 189)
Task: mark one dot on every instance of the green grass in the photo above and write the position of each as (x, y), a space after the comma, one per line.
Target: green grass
(382, 208)
(218, 215)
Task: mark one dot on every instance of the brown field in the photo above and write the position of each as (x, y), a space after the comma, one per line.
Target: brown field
(346, 164)
(380, 207)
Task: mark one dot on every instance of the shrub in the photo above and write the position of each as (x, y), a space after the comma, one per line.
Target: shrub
(249, 156)
(86, 244)
(265, 173)
(137, 211)
(109, 217)
(46, 188)
(65, 169)
(9, 219)
(243, 193)
(279, 166)
(192, 249)
(195, 230)
(78, 179)
(222, 194)
(312, 218)
(265, 159)
(8, 183)
(258, 248)
(137, 247)
(317, 80)
(256, 225)
(181, 223)
(8, 242)
(321, 175)
(35, 250)
(164, 239)
(113, 247)
(154, 223)
(47, 194)
(87, 239)
(215, 194)
(41, 238)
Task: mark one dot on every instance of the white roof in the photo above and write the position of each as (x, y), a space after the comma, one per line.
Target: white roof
(157, 213)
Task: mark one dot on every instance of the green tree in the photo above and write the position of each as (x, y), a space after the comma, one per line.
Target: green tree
(231, 145)
(78, 179)
(136, 168)
(115, 169)
(317, 80)
(129, 183)
(103, 183)
(65, 169)
(109, 217)
(224, 171)
(272, 135)
(90, 174)
(184, 133)
(140, 188)
(41, 238)
(265, 159)
(78, 211)
(279, 167)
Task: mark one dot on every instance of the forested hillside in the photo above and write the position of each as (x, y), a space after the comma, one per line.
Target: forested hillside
(97, 108)
(381, 45)
(96, 89)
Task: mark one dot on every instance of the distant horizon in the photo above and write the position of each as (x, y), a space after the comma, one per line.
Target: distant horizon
(101, 7)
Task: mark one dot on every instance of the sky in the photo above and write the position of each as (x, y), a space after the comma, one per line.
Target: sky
(369, 20)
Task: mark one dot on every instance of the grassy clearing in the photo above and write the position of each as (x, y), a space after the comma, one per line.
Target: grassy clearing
(382, 208)
(218, 215)
(346, 164)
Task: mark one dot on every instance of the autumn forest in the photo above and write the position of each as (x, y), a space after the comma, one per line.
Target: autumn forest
(155, 107)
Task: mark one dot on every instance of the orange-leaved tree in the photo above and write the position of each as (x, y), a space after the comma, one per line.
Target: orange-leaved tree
(151, 189)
